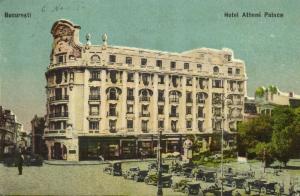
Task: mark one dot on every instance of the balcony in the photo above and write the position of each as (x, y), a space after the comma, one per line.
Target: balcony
(145, 130)
(59, 98)
(112, 130)
(161, 99)
(176, 115)
(201, 101)
(94, 113)
(94, 97)
(130, 98)
(174, 100)
(200, 115)
(144, 98)
(238, 116)
(175, 130)
(112, 114)
(144, 114)
(113, 98)
(58, 114)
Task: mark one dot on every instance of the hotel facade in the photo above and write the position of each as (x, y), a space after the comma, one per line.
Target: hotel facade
(112, 101)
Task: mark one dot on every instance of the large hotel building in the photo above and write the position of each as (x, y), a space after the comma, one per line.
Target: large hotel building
(112, 101)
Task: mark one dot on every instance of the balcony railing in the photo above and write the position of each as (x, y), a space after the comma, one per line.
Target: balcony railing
(145, 130)
(112, 113)
(201, 101)
(144, 98)
(234, 116)
(94, 113)
(189, 100)
(175, 130)
(130, 98)
(59, 97)
(144, 114)
(112, 130)
(94, 97)
(58, 114)
(174, 100)
(174, 115)
(112, 97)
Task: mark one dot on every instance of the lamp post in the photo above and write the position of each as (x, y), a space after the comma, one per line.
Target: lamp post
(159, 172)
(222, 99)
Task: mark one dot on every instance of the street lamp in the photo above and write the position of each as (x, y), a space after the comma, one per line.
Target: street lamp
(159, 169)
(222, 99)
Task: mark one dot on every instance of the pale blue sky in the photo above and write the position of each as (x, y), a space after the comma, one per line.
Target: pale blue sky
(269, 46)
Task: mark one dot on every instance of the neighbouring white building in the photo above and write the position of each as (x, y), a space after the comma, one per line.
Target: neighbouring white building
(113, 100)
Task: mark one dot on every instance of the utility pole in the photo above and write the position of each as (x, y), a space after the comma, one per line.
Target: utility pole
(159, 169)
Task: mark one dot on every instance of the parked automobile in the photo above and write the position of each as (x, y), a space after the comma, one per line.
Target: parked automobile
(215, 190)
(153, 166)
(182, 168)
(234, 181)
(185, 186)
(9, 160)
(263, 187)
(33, 160)
(152, 178)
(140, 175)
(114, 168)
(129, 174)
(205, 175)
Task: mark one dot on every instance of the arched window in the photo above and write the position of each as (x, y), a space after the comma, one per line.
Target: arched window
(216, 69)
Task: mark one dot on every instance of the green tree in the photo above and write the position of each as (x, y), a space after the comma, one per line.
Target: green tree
(260, 92)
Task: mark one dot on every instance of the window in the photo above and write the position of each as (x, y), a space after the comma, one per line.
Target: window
(189, 97)
(143, 62)
(188, 124)
(95, 75)
(94, 109)
(94, 91)
(144, 125)
(159, 63)
(112, 125)
(145, 79)
(189, 82)
(94, 125)
(200, 112)
(188, 109)
(161, 124)
(129, 109)
(129, 124)
(217, 83)
(65, 76)
(130, 94)
(113, 94)
(173, 65)
(61, 58)
(217, 112)
(144, 109)
(161, 96)
(112, 109)
(161, 79)
(199, 67)
(160, 109)
(173, 110)
(112, 58)
(186, 66)
(216, 69)
(130, 77)
(229, 71)
(200, 125)
(174, 125)
(128, 60)
(58, 77)
(237, 71)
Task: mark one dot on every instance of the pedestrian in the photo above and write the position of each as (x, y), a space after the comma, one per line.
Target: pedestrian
(20, 163)
(99, 152)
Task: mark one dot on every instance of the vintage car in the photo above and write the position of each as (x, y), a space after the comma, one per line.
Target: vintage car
(153, 167)
(216, 190)
(205, 175)
(152, 178)
(114, 168)
(263, 187)
(182, 168)
(234, 181)
(140, 175)
(33, 160)
(186, 186)
(130, 173)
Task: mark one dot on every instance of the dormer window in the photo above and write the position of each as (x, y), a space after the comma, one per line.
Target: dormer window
(229, 71)
(112, 58)
(61, 58)
(186, 66)
(143, 61)
(159, 63)
(237, 71)
(173, 65)
(128, 60)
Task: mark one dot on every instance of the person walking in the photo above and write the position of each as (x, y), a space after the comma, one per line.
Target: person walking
(20, 163)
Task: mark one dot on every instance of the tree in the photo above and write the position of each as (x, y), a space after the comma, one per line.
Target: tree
(260, 92)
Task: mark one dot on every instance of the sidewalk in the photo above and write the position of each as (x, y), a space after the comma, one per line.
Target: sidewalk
(63, 162)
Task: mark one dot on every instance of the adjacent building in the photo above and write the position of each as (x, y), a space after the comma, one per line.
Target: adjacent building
(10, 130)
(37, 132)
(113, 100)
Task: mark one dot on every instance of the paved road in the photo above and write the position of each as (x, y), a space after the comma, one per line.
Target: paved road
(70, 180)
